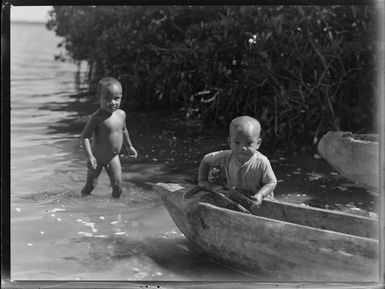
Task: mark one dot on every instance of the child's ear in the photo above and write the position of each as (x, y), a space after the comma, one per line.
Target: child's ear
(259, 143)
(228, 140)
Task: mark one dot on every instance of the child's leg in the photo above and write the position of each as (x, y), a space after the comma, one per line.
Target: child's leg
(114, 171)
(92, 179)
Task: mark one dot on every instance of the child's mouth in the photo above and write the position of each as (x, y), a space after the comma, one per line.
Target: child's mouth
(244, 155)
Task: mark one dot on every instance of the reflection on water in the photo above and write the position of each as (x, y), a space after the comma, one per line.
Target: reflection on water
(58, 235)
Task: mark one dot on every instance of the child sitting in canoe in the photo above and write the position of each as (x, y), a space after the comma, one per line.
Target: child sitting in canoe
(247, 170)
(107, 128)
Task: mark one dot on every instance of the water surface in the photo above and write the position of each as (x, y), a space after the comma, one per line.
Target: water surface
(57, 235)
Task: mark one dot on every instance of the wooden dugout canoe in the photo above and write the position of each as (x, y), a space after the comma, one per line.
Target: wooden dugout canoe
(284, 242)
(354, 156)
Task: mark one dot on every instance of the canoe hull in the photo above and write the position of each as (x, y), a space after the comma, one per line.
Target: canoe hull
(352, 156)
(270, 249)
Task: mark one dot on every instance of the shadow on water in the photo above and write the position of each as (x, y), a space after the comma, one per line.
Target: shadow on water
(148, 254)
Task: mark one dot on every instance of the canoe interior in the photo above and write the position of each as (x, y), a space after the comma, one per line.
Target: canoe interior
(316, 218)
(300, 215)
(365, 137)
(288, 212)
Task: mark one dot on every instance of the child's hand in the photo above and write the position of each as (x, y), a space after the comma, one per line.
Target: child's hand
(132, 152)
(92, 163)
(257, 200)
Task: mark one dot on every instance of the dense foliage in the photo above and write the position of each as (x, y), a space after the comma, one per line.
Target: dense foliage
(301, 70)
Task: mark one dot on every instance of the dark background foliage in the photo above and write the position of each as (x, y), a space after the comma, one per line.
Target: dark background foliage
(300, 70)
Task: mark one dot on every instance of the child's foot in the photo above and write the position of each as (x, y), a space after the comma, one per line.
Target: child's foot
(84, 193)
(116, 194)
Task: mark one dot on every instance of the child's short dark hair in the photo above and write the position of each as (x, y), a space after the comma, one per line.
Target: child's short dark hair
(105, 82)
(240, 120)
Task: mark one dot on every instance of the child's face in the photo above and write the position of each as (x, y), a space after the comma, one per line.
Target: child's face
(244, 143)
(110, 97)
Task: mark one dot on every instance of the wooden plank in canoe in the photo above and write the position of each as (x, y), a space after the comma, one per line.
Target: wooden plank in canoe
(313, 217)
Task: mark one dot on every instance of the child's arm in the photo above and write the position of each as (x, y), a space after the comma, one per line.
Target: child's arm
(213, 159)
(85, 139)
(269, 182)
(127, 141)
(203, 175)
(266, 190)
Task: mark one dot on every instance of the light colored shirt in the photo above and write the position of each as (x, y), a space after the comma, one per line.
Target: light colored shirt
(252, 175)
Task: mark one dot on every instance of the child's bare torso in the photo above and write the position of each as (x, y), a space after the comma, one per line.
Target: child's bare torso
(108, 136)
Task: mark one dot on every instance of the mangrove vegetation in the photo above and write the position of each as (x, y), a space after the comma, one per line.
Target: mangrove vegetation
(301, 70)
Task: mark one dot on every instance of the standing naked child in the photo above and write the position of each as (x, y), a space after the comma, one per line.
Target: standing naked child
(107, 128)
(247, 170)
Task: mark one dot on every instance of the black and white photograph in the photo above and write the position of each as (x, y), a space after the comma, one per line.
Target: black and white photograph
(181, 146)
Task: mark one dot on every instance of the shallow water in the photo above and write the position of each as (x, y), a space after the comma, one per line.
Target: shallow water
(57, 235)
